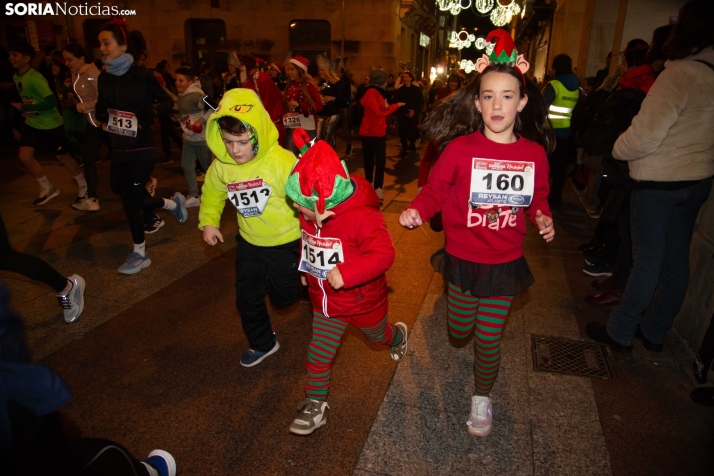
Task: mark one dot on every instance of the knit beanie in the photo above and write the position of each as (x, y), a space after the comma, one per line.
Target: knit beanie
(378, 77)
(319, 180)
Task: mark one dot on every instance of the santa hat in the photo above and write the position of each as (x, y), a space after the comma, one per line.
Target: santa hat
(277, 66)
(301, 62)
(319, 180)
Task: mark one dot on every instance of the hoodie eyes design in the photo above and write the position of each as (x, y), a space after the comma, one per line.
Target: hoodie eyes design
(242, 108)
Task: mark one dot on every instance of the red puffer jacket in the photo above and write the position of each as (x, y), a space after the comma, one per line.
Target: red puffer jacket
(368, 254)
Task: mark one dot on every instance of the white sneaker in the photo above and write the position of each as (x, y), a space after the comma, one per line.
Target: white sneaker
(73, 300)
(193, 202)
(481, 417)
(312, 417)
(151, 186)
(379, 193)
(87, 205)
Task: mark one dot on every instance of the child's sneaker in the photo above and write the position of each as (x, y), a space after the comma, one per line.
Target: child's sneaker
(312, 417)
(151, 186)
(193, 202)
(73, 300)
(160, 463)
(254, 357)
(179, 212)
(48, 195)
(87, 205)
(398, 352)
(380, 195)
(481, 417)
(134, 263)
(153, 223)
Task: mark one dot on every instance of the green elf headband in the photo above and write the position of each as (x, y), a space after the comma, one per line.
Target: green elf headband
(319, 180)
(504, 51)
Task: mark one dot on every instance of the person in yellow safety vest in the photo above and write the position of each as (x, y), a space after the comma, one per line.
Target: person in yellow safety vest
(561, 95)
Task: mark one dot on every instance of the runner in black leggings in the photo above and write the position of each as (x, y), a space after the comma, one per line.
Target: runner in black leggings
(70, 291)
(125, 107)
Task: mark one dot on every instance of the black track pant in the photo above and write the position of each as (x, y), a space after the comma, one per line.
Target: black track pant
(253, 265)
(129, 179)
(28, 265)
(374, 151)
(703, 362)
(93, 139)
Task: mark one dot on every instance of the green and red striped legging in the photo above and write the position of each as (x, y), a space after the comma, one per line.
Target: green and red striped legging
(485, 317)
(326, 336)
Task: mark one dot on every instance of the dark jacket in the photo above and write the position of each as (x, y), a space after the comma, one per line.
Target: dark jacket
(410, 95)
(330, 108)
(135, 91)
(368, 253)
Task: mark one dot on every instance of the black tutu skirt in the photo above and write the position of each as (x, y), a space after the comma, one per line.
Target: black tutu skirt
(484, 280)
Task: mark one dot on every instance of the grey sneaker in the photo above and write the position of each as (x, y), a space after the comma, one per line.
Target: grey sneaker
(49, 195)
(134, 263)
(87, 205)
(180, 211)
(73, 300)
(312, 417)
(398, 352)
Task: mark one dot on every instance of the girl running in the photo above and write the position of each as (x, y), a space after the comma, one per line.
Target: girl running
(302, 99)
(492, 172)
(125, 107)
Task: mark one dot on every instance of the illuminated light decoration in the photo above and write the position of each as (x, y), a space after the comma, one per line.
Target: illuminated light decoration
(502, 14)
(432, 75)
(454, 6)
(468, 66)
(461, 39)
(482, 44)
(483, 6)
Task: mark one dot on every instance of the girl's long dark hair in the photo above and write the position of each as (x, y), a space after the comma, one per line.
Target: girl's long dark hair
(303, 79)
(457, 115)
(134, 41)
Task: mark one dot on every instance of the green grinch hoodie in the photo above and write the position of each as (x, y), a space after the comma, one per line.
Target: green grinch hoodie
(256, 188)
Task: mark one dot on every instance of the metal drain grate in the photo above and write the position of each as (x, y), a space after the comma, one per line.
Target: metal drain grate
(571, 357)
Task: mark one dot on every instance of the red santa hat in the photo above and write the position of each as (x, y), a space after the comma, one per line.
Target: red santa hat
(301, 62)
(277, 66)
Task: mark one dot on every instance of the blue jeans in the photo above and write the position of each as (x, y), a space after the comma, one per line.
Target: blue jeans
(662, 223)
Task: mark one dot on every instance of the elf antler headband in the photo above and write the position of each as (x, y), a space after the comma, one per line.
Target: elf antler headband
(504, 52)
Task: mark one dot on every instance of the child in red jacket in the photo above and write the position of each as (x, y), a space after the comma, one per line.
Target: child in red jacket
(346, 249)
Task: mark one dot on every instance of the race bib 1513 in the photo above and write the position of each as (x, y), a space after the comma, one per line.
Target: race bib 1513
(249, 197)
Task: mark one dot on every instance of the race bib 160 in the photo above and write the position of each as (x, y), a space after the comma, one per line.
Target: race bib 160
(502, 182)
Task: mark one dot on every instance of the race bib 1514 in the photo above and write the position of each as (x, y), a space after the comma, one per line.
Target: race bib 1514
(320, 255)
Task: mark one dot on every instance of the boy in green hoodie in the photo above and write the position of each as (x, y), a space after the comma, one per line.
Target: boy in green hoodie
(250, 171)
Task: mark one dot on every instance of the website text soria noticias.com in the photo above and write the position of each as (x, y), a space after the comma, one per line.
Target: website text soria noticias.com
(61, 8)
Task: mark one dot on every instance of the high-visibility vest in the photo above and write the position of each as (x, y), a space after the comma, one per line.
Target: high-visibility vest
(561, 110)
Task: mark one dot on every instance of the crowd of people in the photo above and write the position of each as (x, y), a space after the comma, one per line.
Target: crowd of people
(264, 139)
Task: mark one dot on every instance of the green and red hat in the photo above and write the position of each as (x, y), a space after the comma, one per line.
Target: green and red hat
(319, 180)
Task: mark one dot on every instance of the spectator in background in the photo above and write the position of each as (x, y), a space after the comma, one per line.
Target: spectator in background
(561, 95)
(670, 152)
(603, 73)
(206, 79)
(408, 116)
(359, 94)
(655, 55)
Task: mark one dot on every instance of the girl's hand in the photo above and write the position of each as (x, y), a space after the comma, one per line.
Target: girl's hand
(303, 280)
(293, 104)
(212, 235)
(401, 104)
(334, 277)
(410, 218)
(17, 105)
(410, 113)
(545, 225)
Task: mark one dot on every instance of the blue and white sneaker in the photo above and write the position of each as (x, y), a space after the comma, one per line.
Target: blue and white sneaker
(254, 357)
(161, 462)
(180, 211)
(134, 263)
(598, 269)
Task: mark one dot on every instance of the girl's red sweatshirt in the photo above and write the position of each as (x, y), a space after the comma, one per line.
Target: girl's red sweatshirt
(487, 234)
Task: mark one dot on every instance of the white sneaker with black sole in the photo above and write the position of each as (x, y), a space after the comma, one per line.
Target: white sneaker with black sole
(72, 301)
(48, 195)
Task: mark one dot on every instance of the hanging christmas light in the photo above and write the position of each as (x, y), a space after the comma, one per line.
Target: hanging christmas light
(482, 44)
(458, 5)
(502, 14)
(468, 66)
(483, 6)
(461, 39)
(445, 5)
